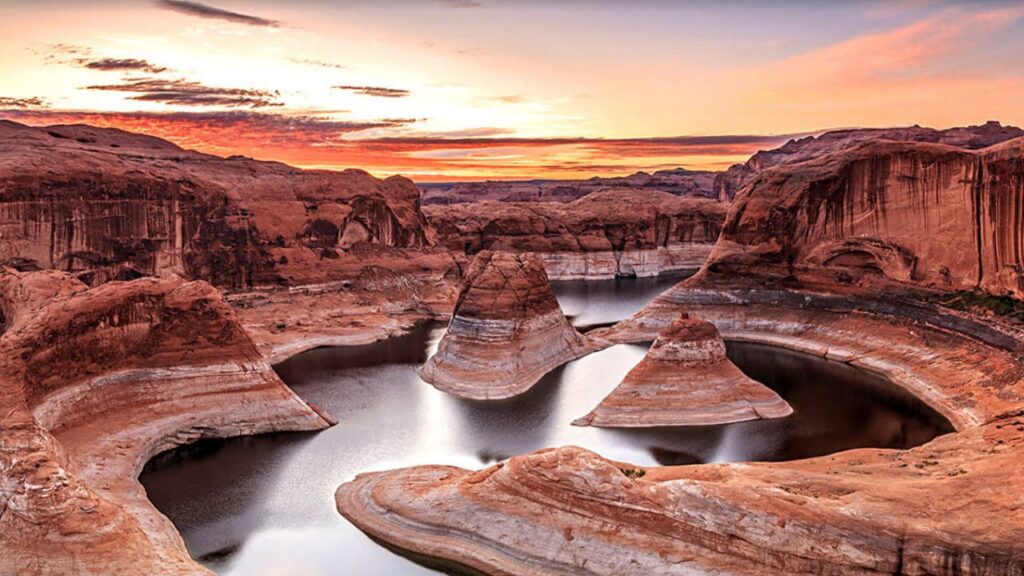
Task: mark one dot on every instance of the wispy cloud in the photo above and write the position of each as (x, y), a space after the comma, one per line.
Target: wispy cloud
(319, 63)
(205, 11)
(123, 65)
(314, 141)
(462, 3)
(32, 102)
(377, 91)
(190, 93)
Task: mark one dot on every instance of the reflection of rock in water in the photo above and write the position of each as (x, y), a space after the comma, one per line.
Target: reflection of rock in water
(668, 457)
(220, 556)
(488, 458)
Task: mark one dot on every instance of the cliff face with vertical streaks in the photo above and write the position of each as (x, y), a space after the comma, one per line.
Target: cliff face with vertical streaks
(616, 232)
(925, 215)
(105, 204)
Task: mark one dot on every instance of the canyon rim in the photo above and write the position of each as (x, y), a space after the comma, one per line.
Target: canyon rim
(511, 288)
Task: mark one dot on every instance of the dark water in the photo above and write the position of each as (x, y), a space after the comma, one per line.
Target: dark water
(589, 303)
(264, 505)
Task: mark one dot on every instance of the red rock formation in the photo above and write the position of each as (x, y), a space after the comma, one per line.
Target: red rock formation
(921, 215)
(947, 507)
(506, 332)
(97, 381)
(603, 235)
(686, 380)
(104, 204)
(678, 182)
(728, 183)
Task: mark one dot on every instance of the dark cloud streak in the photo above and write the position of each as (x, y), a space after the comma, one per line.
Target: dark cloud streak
(377, 91)
(189, 93)
(204, 11)
(122, 65)
(22, 103)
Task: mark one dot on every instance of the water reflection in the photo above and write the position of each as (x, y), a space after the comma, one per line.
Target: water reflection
(589, 303)
(264, 505)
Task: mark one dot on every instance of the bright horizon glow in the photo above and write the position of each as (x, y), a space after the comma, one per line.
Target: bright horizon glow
(465, 90)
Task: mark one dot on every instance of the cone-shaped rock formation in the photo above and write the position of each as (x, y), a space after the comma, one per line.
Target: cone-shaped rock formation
(506, 332)
(686, 380)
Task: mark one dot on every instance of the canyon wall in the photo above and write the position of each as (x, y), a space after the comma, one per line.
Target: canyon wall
(106, 204)
(97, 381)
(619, 232)
(727, 184)
(925, 215)
(678, 182)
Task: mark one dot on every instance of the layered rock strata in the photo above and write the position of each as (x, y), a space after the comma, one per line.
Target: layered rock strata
(97, 381)
(727, 184)
(106, 204)
(946, 507)
(912, 215)
(506, 332)
(838, 256)
(606, 234)
(678, 182)
(686, 380)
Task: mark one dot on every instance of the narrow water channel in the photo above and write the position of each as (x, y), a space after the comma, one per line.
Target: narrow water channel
(264, 505)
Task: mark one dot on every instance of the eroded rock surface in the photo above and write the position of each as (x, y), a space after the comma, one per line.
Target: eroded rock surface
(605, 234)
(106, 204)
(506, 332)
(95, 382)
(728, 184)
(918, 215)
(686, 380)
(678, 182)
(927, 510)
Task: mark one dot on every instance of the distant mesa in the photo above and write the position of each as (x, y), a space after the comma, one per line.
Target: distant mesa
(506, 332)
(686, 380)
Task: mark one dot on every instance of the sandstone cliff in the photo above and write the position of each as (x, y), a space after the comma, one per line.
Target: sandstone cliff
(922, 215)
(728, 184)
(506, 332)
(686, 380)
(611, 233)
(106, 204)
(678, 182)
(95, 382)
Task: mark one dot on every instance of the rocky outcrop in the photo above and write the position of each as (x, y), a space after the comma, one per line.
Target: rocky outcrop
(946, 507)
(727, 184)
(97, 381)
(506, 332)
(929, 216)
(603, 235)
(678, 182)
(686, 380)
(106, 204)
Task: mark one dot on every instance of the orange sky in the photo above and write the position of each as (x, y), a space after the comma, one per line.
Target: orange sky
(470, 89)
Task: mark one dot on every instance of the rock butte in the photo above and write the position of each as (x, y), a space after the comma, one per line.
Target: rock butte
(864, 255)
(506, 332)
(605, 234)
(686, 380)
(97, 381)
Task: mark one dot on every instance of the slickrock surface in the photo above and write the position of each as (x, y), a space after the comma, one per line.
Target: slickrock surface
(686, 380)
(605, 234)
(105, 204)
(97, 381)
(950, 506)
(506, 332)
(379, 303)
(678, 182)
(839, 256)
(728, 184)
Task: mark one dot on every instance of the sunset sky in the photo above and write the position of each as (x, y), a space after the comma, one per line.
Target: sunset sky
(470, 89)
